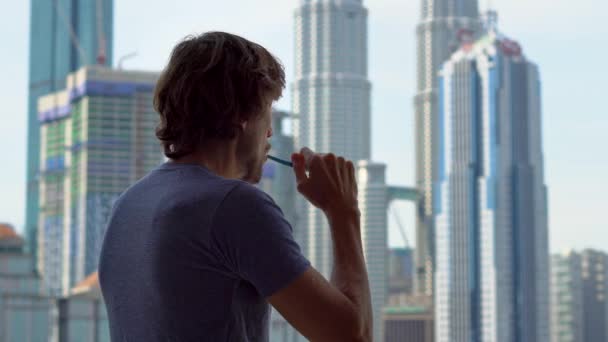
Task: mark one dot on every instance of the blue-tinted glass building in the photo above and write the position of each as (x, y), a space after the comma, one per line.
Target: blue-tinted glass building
(490, 210)
(442, 26)
(64, 35)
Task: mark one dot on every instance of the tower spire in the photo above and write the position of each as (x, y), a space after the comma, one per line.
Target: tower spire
(490, 18)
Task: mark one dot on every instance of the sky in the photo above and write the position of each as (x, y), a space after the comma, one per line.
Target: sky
(566, 39)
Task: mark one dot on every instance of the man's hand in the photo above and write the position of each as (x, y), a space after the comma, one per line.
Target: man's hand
(310, 301)
(330, 184)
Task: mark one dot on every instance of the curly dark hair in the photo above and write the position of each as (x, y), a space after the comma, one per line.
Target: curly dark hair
(213, 82)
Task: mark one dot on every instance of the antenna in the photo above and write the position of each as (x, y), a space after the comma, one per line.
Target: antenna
(491, 17)
(490, 5)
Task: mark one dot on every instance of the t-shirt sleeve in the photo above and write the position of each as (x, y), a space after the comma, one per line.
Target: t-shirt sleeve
(255, 240)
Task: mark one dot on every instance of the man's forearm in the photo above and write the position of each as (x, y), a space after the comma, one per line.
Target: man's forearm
(349, 273)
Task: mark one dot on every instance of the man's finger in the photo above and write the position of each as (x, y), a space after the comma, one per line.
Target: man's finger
(351, 172)
(299, 167)
(343, 169)
(308, 154)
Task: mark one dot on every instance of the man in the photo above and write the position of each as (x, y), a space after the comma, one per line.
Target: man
(193, 251)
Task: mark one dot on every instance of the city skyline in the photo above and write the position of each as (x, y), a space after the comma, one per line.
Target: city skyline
(570, 173)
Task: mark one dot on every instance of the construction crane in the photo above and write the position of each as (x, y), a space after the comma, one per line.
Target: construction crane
(73, 37)
(400, 226)
(101, 38)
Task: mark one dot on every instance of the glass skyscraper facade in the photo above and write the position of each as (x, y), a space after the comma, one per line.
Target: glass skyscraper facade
(64, 36)
(331, 97)
(443, 25)
(492, 263)
(97, 139)
(331, 102)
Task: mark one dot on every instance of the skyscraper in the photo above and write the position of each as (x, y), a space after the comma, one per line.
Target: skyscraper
(278, 180)
(444, 24)
(594, 266)
(97, 138)
(579, 296)
(490, 197)
(331, 98)
(566, 298)
(373, 204)
(64, 36)
(331, 101)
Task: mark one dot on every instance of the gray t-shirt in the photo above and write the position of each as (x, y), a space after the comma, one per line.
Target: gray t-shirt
(190, 256)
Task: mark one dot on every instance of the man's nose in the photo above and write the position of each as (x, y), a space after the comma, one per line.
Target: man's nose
(269, 133)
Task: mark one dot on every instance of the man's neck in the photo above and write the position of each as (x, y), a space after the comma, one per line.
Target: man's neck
(219, 159)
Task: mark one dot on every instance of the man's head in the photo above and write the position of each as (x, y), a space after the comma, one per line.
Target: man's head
(219, 88)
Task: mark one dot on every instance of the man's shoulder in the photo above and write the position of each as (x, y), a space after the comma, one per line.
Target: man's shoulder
(247, 194)
(189, 186)
(248, 202)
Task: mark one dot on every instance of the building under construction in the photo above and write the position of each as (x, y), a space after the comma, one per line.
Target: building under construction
(64, 36)
(97, 138)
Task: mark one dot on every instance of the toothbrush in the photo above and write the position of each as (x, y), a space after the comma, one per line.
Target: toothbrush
(281, 161)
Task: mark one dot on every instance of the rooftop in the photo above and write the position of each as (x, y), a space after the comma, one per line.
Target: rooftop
(402, 310)
(7, 231)
(9, 239)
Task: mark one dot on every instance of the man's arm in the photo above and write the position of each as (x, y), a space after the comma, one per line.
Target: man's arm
(349, 274)
(339, 310)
